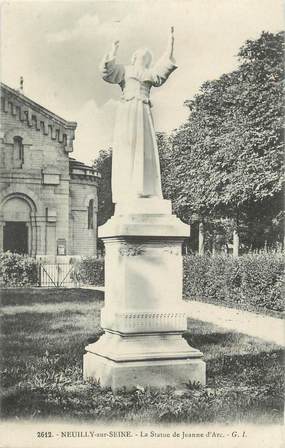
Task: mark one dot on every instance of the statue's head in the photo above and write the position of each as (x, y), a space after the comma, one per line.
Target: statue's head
(142, 57)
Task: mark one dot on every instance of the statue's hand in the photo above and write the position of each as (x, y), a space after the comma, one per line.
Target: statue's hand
(171, 42)
(115, 47)
(171, 35)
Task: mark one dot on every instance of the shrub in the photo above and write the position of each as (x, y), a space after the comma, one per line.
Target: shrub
(89, 271)
(195, 271)
(254, 279)
(17, 270)
(251, 279)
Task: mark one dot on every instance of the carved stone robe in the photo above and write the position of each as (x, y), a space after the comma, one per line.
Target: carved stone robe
(135, 163)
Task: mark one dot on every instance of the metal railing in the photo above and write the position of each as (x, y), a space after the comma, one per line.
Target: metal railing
(56, 275)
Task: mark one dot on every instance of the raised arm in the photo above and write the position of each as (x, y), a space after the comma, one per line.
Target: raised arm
(170, 45)
(110, 71)
(166, 64)
(114, 49)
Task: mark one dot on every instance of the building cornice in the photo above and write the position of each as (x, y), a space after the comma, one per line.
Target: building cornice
(78, 170)
(34, 115)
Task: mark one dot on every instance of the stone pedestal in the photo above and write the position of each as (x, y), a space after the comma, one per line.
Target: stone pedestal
(143, 317)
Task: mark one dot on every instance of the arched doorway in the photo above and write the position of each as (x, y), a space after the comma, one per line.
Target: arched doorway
(17, 225)
(15, 237)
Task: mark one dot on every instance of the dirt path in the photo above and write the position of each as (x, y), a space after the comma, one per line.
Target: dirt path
(264, 327)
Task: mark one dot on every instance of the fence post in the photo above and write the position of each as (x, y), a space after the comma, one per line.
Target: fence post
(40, 274)
(57, 282)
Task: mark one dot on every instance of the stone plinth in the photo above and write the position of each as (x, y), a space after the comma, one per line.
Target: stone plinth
(143, 316)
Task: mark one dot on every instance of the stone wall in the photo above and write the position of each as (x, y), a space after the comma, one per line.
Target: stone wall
(84, 240)
(35, 169)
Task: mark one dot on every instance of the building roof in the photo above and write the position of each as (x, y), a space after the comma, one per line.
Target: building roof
(32, 114)
(37, 107)
(81, 169)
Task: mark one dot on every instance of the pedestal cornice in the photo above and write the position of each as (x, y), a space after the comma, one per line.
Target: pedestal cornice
(144, 225)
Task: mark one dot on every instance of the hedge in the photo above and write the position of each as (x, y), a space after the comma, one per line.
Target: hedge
(20, 270)
(89, 271)
(253, 279)
(17, 270)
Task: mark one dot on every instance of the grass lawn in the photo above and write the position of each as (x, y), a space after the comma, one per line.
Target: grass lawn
(43, 337)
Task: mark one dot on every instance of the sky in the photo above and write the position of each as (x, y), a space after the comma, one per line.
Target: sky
(57, 47)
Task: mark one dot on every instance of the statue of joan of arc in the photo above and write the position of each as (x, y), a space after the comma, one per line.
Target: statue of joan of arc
(135, 163)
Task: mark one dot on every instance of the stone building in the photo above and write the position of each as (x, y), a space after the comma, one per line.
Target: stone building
(48, 200)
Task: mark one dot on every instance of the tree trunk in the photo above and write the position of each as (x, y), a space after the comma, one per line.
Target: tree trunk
(214, 244)
(235, 243)
(201, 238)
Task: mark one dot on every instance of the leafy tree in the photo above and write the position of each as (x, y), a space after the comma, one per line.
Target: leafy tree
(227, 158)
(165, 159)
(103, 164)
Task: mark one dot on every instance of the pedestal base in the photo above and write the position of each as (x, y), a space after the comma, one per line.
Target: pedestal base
(158, 373)
(157, 360)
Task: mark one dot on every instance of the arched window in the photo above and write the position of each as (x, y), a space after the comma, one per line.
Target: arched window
(19, 149)
(90, 213)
